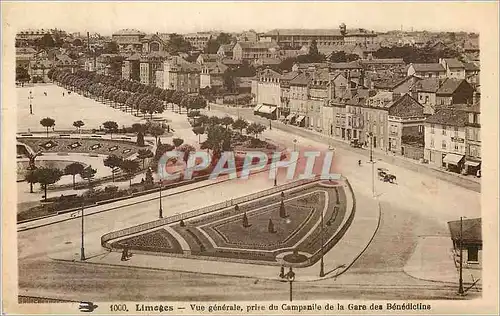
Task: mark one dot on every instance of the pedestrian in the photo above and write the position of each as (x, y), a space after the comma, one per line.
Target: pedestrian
(63, 94)
(359, 162)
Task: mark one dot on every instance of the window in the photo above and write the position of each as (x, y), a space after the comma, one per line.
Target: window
(432, 128)
(472, 254)
(432, 142)
(443, 144)
(456, 146)
(456, 131)
(444, 130)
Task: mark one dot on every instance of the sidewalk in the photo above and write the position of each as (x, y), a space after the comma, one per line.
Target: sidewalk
(433, 260)
(337, 260)
(471, 183)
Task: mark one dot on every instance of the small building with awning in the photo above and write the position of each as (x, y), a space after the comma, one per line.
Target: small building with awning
(300, 121)
(291, 118)
(467, 238)
(454, 162)
(268, 111)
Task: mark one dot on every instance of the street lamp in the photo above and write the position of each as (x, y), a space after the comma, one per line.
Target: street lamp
(372, 162)
(460, 280)
(31, 105)
(270, 127)
(160, 215)
(82, 248)
(322, 264)
(290, 277)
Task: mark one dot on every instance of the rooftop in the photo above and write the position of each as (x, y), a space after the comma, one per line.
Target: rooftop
(449, 86)
(453, 63)
(129, 32)
(434, 67)
(406, 107)
(471, 230)
(449, 117)
(304, 32)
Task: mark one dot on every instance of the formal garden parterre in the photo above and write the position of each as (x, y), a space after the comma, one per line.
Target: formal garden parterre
(288, 228)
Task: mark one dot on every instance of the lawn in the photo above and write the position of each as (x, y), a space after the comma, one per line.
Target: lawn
(64, 110)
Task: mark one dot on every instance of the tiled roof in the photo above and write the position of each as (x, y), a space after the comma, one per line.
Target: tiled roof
(474, 108)
(471, 67)
(215, 67)
(304, 32)
(448, 116)
(128, 32)
(349, 65)
(471, 230)
(269, 61)
(269, 73)
(428, 85)
(227, 47)
(289, 75)
(392, 61)
(449, 86)
(428, 67)
(209, 57)
(301, 79)
(453, 63)
(406, 107)
(250, 45)
(230, 61)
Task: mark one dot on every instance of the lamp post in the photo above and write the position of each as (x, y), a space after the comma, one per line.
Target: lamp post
(31, 105)
(82, 248)
(460, 280)
(290, 276)
(270, 127)
(322, 264)
(295, 145)
(160, 215)
(372, 162)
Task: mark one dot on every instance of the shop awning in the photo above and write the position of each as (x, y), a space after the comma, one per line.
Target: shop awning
(267, 109)
(256, 109)
(290, 117)
(453, 159)
(300, 118)
(472, 163)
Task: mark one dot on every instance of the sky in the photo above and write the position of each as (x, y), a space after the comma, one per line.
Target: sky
(184, 17)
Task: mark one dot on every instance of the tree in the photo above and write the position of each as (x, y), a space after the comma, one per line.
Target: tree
(149, 177)
(47, 122)
(156, 131)
(22, 74)
(143, 154)
(226, 121)
(88, 174)
(199, 130)
(186, 149)
(31, 178)
(240, 124)
(270, 227)
(213, 120)
(113, 162)
(111, 48)
(162, 149)
(177, 44)
(177, 142)
(140, 139)
(212, 46)
(47, 41)
(228, 80)
(46, 176)
(282, 209)
(245, 221)
(110, 127)
(313, 49)
(130, 167)
(255, 129)
(78, 124)
(224, 38)
(73, 169)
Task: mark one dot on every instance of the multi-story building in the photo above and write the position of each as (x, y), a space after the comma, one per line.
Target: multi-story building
(181, 75)
(406, 127)
(472, 162)
(129, 39)
(253, 51)
(266, 88)
(455, 69)
(207, 58)
(454, 91)
(149, 65)
(198, 40)
(427, 70)
(445, 138)
(285, 94)
(131, 68)
(30, 36)
(248, 36)
(226, 50)
(212, 75)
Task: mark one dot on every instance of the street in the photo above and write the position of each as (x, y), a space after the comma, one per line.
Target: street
(417, 205)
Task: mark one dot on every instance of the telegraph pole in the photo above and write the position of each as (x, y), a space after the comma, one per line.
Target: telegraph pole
(460, 280)
(372, 163)
(161, 209)
(322, 264)
(82, 249)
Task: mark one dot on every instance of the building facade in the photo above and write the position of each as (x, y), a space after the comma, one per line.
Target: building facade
(180, 75)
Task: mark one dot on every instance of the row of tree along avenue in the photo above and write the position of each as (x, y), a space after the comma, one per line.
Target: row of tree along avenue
(128, 95)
